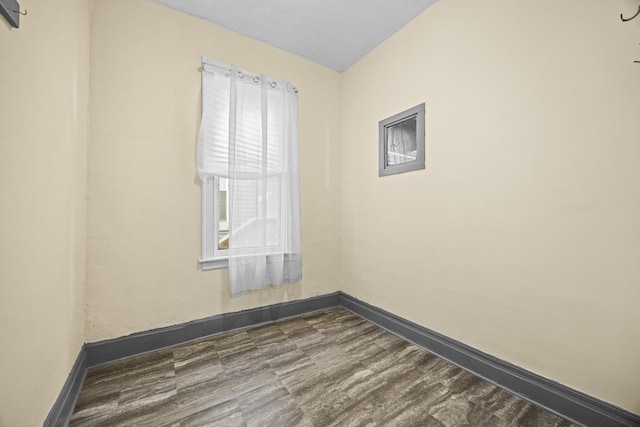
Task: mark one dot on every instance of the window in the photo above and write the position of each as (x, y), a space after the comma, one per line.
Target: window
(215, 223)
(215, 220)
(401, 142)
(248, 166)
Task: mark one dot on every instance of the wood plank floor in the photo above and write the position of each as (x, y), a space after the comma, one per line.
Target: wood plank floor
(330, 368)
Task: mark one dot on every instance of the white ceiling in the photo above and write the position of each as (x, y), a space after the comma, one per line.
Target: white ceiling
(334, 33)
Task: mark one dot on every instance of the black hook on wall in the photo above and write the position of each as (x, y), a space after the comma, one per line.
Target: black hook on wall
(10, 10)
(629, 19)
(633, 17)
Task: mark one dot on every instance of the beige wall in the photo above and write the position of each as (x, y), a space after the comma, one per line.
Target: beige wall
(521, 238)
(44, 88)
(143, 196)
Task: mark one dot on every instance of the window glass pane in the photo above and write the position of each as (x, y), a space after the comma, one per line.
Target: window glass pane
(273, 211)
(258, 216)
(401, 141)
(223, 213)
(246, 214)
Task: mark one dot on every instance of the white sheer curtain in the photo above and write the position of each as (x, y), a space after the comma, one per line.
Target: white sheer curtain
(249, 134)
(402, 142)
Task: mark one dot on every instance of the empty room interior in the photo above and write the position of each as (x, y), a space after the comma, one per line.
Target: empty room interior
(507, 265)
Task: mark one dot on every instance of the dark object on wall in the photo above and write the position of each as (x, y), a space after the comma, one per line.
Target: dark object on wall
(10, 9)
(629, 19)
(401, 142)
(633, 17)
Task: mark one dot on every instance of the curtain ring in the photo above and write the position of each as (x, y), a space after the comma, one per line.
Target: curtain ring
(274, 84)
(240, 74)
(256, 79)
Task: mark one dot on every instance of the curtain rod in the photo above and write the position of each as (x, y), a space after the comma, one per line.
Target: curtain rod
(228, 67)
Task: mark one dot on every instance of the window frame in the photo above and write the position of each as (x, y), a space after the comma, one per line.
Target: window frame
(212, 257)
(384, 169)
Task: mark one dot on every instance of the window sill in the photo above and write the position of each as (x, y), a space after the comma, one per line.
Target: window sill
(217, 264)
(214, 264)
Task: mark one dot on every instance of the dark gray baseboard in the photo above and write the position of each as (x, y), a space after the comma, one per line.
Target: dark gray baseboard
(102, 352)
(62, 409)
(562, 400)
(107, 351)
